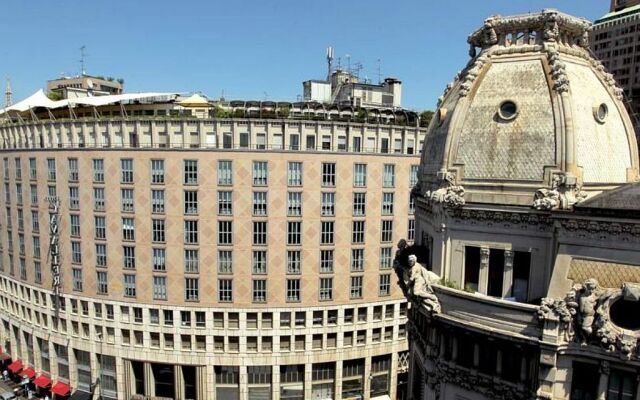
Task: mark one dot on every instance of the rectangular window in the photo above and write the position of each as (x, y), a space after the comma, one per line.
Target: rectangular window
(159, 287)
(357, 232)
(101, 255)
(191, 231)
(159, 259)
(98, 170)
(412, 205)
(259, 262)
(328, 207)
(359, 204)
(35, 222)
(34, 194)
(18, 169)
(127, 200)
(388, 176)
(293, 290)
(157, 231)
(51, 169)
(128, 229)
(157, 172)
(294, 262)
(129, 285)
(397, 145)
(225, 232)
(387, 203)
(327, 232)
(386, 231)
(74, 198)
(357, 260)
(77, 279)
(191, 202)
(294, 142)
(225, 203)
(225, 262)
(225, 290)
(294, 173)
(75, 224)
(225, 172)
(329, 174)
(326, 261)
(385, 285)
(294, 233)
(191, 260)
(413, 176)
(191, 291)
(385, 258)
(19, 195)
(359, 175)
(98, 199)
(101, 282)
(259, 291)
(244, 140)
(100, 227)
(76, 252)
(355, 287)
(259, 232)
(411, 230)
(73, 169)
(157, 201)
(261, 141)
(126, 170)
(129, 257)
(190, 172)
(259, 203)
(621, 385)
(326, 289)
(260, 173)
(33, 169)
(294, 204)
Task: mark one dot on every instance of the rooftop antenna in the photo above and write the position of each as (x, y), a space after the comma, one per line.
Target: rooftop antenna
(329, 61)
(83, 72)
(357, 68)
(379, 72)
(348, 63)
(8, 94)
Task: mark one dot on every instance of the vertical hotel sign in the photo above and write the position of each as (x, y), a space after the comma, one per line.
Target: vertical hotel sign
(54, 250)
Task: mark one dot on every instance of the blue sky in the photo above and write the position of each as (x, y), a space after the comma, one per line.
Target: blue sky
(249, 49)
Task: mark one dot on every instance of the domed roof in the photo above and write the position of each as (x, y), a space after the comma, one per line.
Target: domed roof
(532, 117)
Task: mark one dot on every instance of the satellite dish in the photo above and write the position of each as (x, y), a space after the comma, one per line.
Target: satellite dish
(90, 83)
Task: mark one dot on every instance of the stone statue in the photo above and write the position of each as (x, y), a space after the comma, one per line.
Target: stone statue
(420, 281)
(587, 302)
(551, 30)
(546, 199)
(448, 194)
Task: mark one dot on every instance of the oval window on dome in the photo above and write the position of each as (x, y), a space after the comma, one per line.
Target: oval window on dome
(600, 112)
(508, 110)
(625, 314)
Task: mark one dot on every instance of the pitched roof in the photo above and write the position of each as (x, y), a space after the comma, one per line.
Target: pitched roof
(625, 198)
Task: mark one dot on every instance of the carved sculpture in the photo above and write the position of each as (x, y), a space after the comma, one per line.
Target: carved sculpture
(551, 30)
(415, 280)
(564, 194)
(448, 193)
(558, 70)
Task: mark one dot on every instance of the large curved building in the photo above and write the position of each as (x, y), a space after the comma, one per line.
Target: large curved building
(200, 256)
(528, 210)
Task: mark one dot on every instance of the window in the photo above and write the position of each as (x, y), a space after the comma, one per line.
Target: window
(293, 290)
(191, 231)
(75, 224)
(329, 174)
(355, 287)
(129, 257)
(621, 385)
(357, 232)
(326, 261)
(225, 232)
(259, 262)
(36, 246)
(397, 145)
(157, 201)
(77, 279)
(357, 260)
(411, 230)
(326, 232)
(387, 203)
(98, 170)
(225, 290)
(225, 262)
(191, 260)
(191, 289)
(157, 231)
(73, 169)
(385, 258)
(101, 282)
(127, 200)
(34, 195)
(225, 203)
(294, 233)
(413, 176)
(129, 285)
(157, 172)
(190, 172)
(98, 199)
(101, 255)
(51, 169)
(259, 203)
(385, 285)
(35, 222)
(159, 259)
(359, 175)
(126, 170)
(326, 289)
(128, 229)
(412, 205)
(76, 253)
(261, 141)
(259, 232)
(33, 169)
(294, 261)
(294, 204)
(328, 204)
(260, 173)
(190, 201)
(259, 290)
(388, 177)
(74, 197)
(225, 172)
(159, 287)
(359, 204)
(386, 230)
(294, 173)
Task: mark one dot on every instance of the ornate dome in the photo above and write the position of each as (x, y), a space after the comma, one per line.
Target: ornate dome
(533, 119)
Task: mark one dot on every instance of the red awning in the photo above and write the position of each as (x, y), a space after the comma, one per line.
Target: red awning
(61, 389)
(15, 366)
(28, 372)
(42, 381)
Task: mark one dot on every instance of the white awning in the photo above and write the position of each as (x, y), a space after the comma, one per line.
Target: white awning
(38, 99)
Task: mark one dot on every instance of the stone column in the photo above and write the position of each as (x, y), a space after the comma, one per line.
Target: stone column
(507, 279)
(308, 369)
(338, 380)
(178, 381)
(367, 378)
(393, 378)
(275, 381)
(201, 383)
(604, 380)
(149, 382)
(483, 276)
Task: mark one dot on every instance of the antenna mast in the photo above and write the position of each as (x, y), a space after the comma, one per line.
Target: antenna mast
(379, 72)
(83, 72)
(329, 61)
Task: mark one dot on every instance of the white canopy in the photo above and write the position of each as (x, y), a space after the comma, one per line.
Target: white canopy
(38, 99)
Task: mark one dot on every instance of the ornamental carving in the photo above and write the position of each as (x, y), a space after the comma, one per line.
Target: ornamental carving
(414, 279)
(448, 194)
(558, 70)
(563, 195)
(471, 74)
